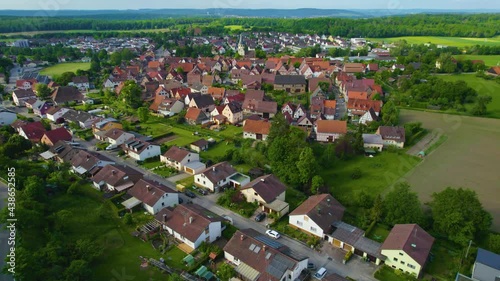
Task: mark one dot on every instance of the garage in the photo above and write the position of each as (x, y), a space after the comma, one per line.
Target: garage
(348, 247)
(336, 243)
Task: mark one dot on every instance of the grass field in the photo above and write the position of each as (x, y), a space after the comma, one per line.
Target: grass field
(483, 87)
(488, 60)
(31, 33)
(467, 159)
(448, 41)
(60, 68)
(235, 27)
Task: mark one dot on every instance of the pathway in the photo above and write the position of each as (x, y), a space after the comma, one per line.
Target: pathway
(424, 143)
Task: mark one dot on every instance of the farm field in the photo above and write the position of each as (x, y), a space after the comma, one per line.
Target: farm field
(60, 68)
(468, 158)
(448, 41)
(483, 87)
(488, 60)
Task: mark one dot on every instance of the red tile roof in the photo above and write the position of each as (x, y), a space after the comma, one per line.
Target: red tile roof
(149, 192)
(176, 153)
(322, 209)
(58, 134)
(331, 126)
(257, 127)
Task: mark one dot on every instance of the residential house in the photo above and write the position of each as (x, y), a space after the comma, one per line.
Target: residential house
(26, 84)
(199, 145)
(329, 130)
(216, 177)
(392, 136)
(269, 192)
(191, 225)
(153, 196)
(170, 107)
(7, 117)
(216, 93)
(183, 160)
(233, 112)
(116, 178)
(195, 116)
(52, 137)
(257, 257)
(290, 83)
(40, 108)
(80, 82)
(66, 94)
(329, 109)
(203, 102)
(358, 108)
(316, 215)
(32, 131)
(407, 248)
(106, 125)
(55, 114)
(487, 266)
(20, 96)
(372, 142)
(117, 137)
(305, 121)
(89, 162)
(299, 112)
(288, 108)
(353, 68)
(140, 150)
(255, 103)
(81, 118)
(61, 152)
(494, 71)
(368, 117)
(256, 129)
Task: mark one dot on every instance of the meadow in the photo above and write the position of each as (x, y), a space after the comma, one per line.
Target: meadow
(60, 68)
(488, 60)
(447, 41)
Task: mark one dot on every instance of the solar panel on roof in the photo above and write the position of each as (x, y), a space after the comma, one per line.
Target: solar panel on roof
(268, 256)
(268, 241)
(256, 250)
(252, 247)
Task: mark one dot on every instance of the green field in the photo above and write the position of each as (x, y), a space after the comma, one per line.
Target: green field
(447, 41)
(488, 60)
(60, 68)
(483, 87)
(235, 27)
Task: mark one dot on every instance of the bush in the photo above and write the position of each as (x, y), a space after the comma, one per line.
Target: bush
(348, 256)
(127, 219)
(356, 174)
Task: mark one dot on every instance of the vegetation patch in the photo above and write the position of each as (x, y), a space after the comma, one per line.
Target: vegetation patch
(61, 68)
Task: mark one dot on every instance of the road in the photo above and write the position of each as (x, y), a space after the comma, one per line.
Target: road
(4, 234)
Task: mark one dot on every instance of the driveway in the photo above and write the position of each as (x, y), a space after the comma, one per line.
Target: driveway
(4, 235)
(179, 177)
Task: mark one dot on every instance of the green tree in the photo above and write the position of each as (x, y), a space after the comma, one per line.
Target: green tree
(279, 128)
(175, 277)
(115, 58)
(78, 270)
(480, 107)
(34, 189)
(15, 146)
(226, 272)
(459, 215)
(390, 114)
(65, 78)
(324, 86)
(401, 205)
(494, 243)
(307, 165)
(21, 59)
(316, 183)
(128, 219)
(43, 91)
(143, 114)
(87, 250)
(131, 94)
(377, 210)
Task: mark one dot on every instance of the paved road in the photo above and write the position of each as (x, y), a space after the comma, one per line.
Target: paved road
(4, 234)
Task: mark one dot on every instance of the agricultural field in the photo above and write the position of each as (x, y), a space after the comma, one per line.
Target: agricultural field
(483, 87)
(488, 60)
(60, 68)
(447, 41)
(468, 158)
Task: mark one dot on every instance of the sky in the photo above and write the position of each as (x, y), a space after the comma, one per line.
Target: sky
(246, 4)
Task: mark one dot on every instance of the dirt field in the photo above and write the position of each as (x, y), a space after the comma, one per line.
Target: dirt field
(469, 158)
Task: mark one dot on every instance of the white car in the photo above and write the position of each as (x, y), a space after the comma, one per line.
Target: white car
(273, 233)
(320, 273)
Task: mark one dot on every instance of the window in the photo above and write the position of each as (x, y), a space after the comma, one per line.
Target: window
(395, 259)
(402, 262)
(411, 266)
(313, 229)
(299, 223)
(236, 259)
(400, 253)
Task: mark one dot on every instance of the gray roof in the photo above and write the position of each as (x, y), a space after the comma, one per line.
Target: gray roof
(488, 258)
(289, 79)
(372, 139)
(36, 75)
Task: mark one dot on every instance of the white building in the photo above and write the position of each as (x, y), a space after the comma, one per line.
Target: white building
(141, 150)
(152, 195)
(215, 177)
(182, 160)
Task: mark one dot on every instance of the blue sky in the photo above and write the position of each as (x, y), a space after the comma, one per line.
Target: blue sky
(247, 4)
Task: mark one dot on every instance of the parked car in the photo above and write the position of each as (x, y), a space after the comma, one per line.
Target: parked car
(190, 194)
(311, 266)
(202, 191)
(260, 217)
(181, 200)
(273, 233)
(320, 273)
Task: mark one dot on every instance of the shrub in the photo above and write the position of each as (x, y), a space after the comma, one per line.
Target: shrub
(348, 256)
(356, 174)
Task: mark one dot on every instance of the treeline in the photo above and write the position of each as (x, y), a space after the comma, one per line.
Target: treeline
(48, 53)
(480, 25)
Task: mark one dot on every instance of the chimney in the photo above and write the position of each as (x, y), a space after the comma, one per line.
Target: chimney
(148, 187)
(190, 220)
(213, 169)
(264, 248)
(242, 237)
(319, 210)
(262, 180)
(164, 217)
(113, 172)
(328, 201)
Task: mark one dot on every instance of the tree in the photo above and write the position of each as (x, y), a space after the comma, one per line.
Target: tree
(131, 94)
(21, 59)
(307, 165)
(78, 270)
(479, 108)
(401, 205)
(65, 78)
(316, 183)
(16, 146)
(390, 114)
(358, 144)
(459, 215)
(226, 272)
(43, 91)
(127, 218)
(143, 114)
(176, 277)
(494, 243)
(324, 86)
(377, 210)
(34, 189)
(115, 58)
(296, 64)
(279, 128)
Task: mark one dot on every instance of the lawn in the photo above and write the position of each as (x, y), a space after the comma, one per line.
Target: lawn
(379, 233)
(378, 174)
(386, 273)
(235, 27)
(483, 87)
(447, 41)
(445, 260)
(60, 68)
(488, 60)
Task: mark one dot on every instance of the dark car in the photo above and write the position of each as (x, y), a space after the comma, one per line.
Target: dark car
(203, 191)
(181, 201)
(190, 194)
(260, 217)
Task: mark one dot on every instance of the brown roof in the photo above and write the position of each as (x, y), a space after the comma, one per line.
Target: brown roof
(193, 113)
(58, 134)
(364, 105)
(53, 110)
(219, 172)
(357, 95)
(200, 143)
(88, 159)
(254, 94)
(114, 134)
(189, 221)
(257, 127)
(322, 209)
(176, 153)
(354, 67)
(331, 126)
(217, 93)
(149, 192)
(314, 83)
(66, 94)
(114, 175)
(411, 239)
(267, 187)
(392, 133)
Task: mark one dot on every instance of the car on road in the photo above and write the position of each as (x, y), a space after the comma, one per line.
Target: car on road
(190, 194)
(260, 217)
(320, 273)
(273, 233)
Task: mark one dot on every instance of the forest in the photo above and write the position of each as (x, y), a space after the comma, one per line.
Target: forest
(454, 25)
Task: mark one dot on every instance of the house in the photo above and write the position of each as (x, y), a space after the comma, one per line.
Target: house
(61, 152)
(329, 109)
(66, 94)
(290, 83)
(116, 178)
(216, 93)
(305, 121)
(299, 112)
(81, 118)
(89, 162)
(255, 103)
(117, 137)
(495, 71)
(392, 136)
(152, 195)
(183, 160)
(199, 145)
(269, 192)
(256, 129)
(191, 225)
(233, 112)
(80, 82)
(195, 116)
(7, 117)
(288, 108)
(487, 266)
(32, 131)
(20, 96)
(368, 117)
(203, 102)
(106, 125)
(329, 130)
(56, 113)
(316, 215)
(257, 257)
(216, 177)
(356, 108)
(353, 68)
(372, 142)
(53, 136)
(407, 248)
(40, 108)
(140, 150)
(170, 107)
(26, 84)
